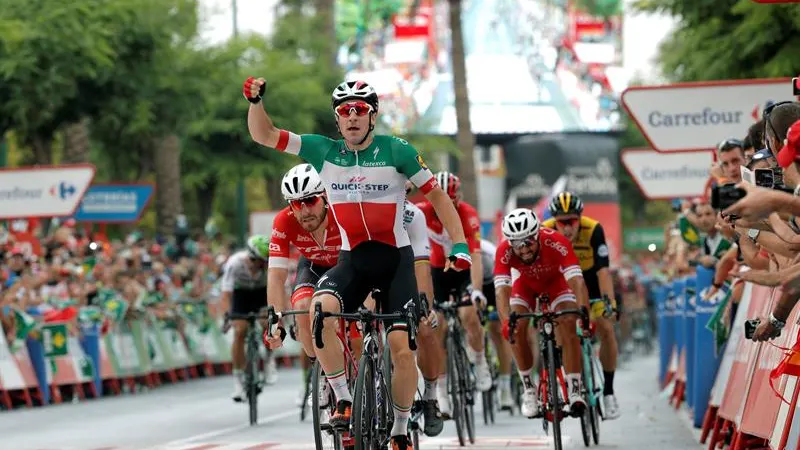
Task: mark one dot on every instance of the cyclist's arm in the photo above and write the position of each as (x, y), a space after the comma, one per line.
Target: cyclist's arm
(502, 280)
(410, 163)
(227, 286)
(276, 287)
(472, 230)
(571, 270)
(422, 269)
(601, 261)
(262, 130)
(578, 287)
(421, 245)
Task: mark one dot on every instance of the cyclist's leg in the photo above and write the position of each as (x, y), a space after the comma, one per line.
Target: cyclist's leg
(401, 289)
(242, 302)
(567, 336)
(441, 292)
(336, 292)
(523, 301)
(609, 350)
(502, 347)
(430, 353)
(304, 283)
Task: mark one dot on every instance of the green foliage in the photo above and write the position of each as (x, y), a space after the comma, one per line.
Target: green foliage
(601, 8)
(728, 39)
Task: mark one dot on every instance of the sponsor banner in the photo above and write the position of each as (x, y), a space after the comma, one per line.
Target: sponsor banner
(114, 203)
(697, 116)
(43, 191)
(662, 176)
(640, 238)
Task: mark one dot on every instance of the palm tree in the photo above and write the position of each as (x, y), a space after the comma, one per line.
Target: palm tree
(76, 142)
(464, 136)
(169, 202)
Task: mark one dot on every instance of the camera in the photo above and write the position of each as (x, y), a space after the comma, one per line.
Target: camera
(750, 328)
(764, 178)
(723, 196)
(796, 86)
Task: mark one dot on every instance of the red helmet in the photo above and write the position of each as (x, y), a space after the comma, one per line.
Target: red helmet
(449, 183)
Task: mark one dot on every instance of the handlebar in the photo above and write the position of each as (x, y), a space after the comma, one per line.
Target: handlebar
(274, 317)
(451, 306)
(548, 316)
(409, 315)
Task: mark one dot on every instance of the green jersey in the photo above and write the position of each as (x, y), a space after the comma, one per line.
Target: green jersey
(365, 188)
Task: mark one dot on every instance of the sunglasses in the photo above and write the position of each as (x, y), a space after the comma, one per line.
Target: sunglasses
(568, 222)
(360, 108)
(519, 243)
(768, 122)
(308, 202)
(729, 144)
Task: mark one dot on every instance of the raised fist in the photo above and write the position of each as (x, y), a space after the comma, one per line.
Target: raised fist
(253, 89)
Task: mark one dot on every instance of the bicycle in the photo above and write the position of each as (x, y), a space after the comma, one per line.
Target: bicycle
(253, 383)
(417, 409)
(592, 376)
(489, 398)
(460, 379)
(553, 401)
(272, 319)
(372, 416)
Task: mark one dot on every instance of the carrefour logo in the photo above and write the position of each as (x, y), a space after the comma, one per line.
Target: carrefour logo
(696, 118)
(368, 187)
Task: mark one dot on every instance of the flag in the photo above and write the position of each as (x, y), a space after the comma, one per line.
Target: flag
(789, 365)
(25, 323)
(717, 323)
(115, 308)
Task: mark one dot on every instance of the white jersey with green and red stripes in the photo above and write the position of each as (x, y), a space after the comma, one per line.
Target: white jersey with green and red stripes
(366, 188)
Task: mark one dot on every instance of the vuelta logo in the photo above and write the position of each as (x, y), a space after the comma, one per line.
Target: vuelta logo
(557, 246)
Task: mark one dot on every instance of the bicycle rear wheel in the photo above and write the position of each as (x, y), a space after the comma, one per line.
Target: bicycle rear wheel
(553, 386)
(252, 380)
(327, 438)
(468, 390)
(454, 388)
(364, 414)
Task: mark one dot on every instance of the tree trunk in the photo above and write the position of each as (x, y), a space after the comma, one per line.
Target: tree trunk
(326, 14)
(276, 200)
(76, 142)
(464, 137)
(206, 192)
(168, 183)
(42, 149)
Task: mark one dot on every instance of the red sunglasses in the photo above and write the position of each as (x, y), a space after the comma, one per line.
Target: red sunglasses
(572, 221)
(360, 108)
(308, 202)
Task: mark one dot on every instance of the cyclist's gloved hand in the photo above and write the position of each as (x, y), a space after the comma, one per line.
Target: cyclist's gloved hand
(459, 258)
(506, 330)
(478, 299)
(598, 310)
(253, 89)
(275, 340)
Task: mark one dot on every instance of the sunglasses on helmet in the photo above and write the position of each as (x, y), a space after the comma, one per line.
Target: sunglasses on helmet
(567, 221)
(307, 201)
(520, 243)
(347, 108)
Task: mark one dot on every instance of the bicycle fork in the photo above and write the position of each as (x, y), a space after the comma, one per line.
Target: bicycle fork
(547, 404)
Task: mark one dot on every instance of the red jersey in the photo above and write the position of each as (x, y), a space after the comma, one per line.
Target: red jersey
(555, 264)
(287, 231)
(441, 244)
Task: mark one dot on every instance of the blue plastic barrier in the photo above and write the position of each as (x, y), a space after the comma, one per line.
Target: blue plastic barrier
(39, 363)
(706, 362)
(688, 330)
(678, 287)
(666, 329)
(90, 342)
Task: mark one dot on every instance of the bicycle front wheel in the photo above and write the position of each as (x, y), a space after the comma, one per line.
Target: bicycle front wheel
(555, 399)
(454, 388)
(364, 414)
(252, 380)
(325, 438)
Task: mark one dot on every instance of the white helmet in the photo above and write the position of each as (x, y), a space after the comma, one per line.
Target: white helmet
(301, 181)
(520, 223)
(354, 90)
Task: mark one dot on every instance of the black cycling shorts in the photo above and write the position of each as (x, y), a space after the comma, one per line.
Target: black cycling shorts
(370, 266)
(447, 283)
(246, 301)
(308, 273)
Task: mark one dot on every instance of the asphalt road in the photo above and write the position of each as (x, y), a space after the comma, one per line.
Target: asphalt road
(199, 415)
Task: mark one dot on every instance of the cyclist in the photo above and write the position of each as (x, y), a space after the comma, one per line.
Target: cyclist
(589, 242)
(306, 225)
(430, 353)
(244, 288)
(364, 177)
(446, 281)
(547, 265)
(503, 348)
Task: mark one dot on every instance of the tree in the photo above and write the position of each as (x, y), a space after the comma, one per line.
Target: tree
(728, 39)
(464, 136)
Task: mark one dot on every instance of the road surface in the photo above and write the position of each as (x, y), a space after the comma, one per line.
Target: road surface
(198, 415)
(552, 113)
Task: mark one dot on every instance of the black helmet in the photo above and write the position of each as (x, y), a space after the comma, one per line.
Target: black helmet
(565, 203)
